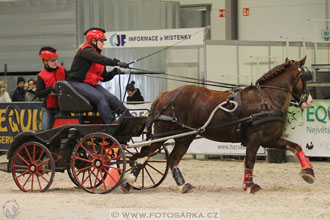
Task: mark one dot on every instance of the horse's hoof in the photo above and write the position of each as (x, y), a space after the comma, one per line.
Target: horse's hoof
(125, 187)
(186, 188)
(254, 189)
(308, 175)
(130, 178)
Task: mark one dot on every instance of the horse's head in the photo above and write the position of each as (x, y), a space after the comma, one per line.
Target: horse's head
(300, 92)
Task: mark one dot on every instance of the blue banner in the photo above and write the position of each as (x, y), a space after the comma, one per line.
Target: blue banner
(29, 118)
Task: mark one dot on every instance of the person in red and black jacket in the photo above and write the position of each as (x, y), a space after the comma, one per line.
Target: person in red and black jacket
(88, 68)
(46, 81)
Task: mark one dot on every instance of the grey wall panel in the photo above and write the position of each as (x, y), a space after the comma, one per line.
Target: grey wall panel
(52, 22)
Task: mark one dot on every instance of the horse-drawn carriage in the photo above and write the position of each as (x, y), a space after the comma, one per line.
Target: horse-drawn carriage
(95, 155)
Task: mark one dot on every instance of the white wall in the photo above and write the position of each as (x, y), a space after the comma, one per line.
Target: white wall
(218, 25)
(268, 20)
(244, 64)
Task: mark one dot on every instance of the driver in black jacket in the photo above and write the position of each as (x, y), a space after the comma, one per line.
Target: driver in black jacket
(88, 68)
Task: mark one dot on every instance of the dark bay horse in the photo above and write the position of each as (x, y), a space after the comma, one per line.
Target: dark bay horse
(258, 120)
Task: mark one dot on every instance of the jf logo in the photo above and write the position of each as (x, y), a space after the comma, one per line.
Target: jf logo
(117, 40)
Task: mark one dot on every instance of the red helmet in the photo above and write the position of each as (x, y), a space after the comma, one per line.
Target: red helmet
(47, 54)
(96, 33)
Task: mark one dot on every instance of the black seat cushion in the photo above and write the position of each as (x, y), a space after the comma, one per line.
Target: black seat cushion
(69, 100)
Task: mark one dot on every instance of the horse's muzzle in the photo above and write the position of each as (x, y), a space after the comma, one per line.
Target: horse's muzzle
(306, 101)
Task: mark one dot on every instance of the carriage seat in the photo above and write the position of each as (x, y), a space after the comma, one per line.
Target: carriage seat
(69, 100)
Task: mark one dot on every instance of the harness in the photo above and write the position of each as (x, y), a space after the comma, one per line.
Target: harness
(232, 105)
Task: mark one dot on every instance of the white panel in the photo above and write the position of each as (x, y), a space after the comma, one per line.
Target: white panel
(221, 64)
(182, 56)
(253, 63)
(180, 71)
(268, 20)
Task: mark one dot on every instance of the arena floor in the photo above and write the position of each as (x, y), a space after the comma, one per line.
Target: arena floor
(218, 186)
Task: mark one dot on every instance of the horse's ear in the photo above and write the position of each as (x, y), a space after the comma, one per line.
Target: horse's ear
(302, 61)
(287, 60)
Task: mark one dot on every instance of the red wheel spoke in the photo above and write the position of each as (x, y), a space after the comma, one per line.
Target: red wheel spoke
(129, 170)
(150, 176)
(21, 166)
(42, 176)
(39, 183)
(155, 169)
(107, 151)
(28, 153)
(27, 180)
(83, 159)
(97, 174)
(34, 152)
(43, 162)
(32, 184)
(103, 182)
(88, 177)
(96, 177)
(82, 169)
(27, 163)
(93, 144)
(21, 174)
(83, 147)
(41, 154)
(102, 145)
(47, 170)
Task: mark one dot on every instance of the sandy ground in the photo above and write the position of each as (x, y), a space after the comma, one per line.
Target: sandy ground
(218, 186)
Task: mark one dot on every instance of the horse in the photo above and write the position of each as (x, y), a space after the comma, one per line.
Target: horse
(254, 116)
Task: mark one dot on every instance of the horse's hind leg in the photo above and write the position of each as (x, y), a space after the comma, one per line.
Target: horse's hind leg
(180, 148)
(307, 172)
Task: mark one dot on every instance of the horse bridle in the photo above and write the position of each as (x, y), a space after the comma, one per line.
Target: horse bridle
(305, 75)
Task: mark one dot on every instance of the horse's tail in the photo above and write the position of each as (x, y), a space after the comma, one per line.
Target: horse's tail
(150, 118)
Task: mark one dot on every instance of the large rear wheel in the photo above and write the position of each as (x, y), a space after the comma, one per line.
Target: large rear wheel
(98, 163)
(33, 167)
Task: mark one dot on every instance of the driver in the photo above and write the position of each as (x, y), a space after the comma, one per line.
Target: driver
(88, 68)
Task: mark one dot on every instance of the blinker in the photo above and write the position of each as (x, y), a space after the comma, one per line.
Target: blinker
(307, 75)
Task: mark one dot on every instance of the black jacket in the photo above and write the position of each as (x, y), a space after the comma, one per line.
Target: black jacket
(83, 60)
(136, 97)
(18, 95)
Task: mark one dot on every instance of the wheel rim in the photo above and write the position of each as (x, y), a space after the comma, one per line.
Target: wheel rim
(33, 167)
(154, 171)
(98, 163)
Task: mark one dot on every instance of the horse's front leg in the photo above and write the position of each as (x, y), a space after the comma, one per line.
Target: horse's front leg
(251, 152)
(307, 172)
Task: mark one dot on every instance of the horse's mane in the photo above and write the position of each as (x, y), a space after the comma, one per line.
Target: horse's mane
(273, 72)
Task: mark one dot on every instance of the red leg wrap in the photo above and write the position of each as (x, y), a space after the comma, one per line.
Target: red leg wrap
(304, 161)
(248, 179)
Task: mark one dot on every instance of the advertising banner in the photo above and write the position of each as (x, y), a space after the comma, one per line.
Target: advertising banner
(29, 118)
(155, 38)
(310, 128)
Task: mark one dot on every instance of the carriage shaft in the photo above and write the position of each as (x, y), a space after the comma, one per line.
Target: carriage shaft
(148, 143)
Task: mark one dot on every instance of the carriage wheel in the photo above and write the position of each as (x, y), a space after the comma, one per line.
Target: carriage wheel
(33, 167)
(72, 177)
(98, 163)
(154, 171)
